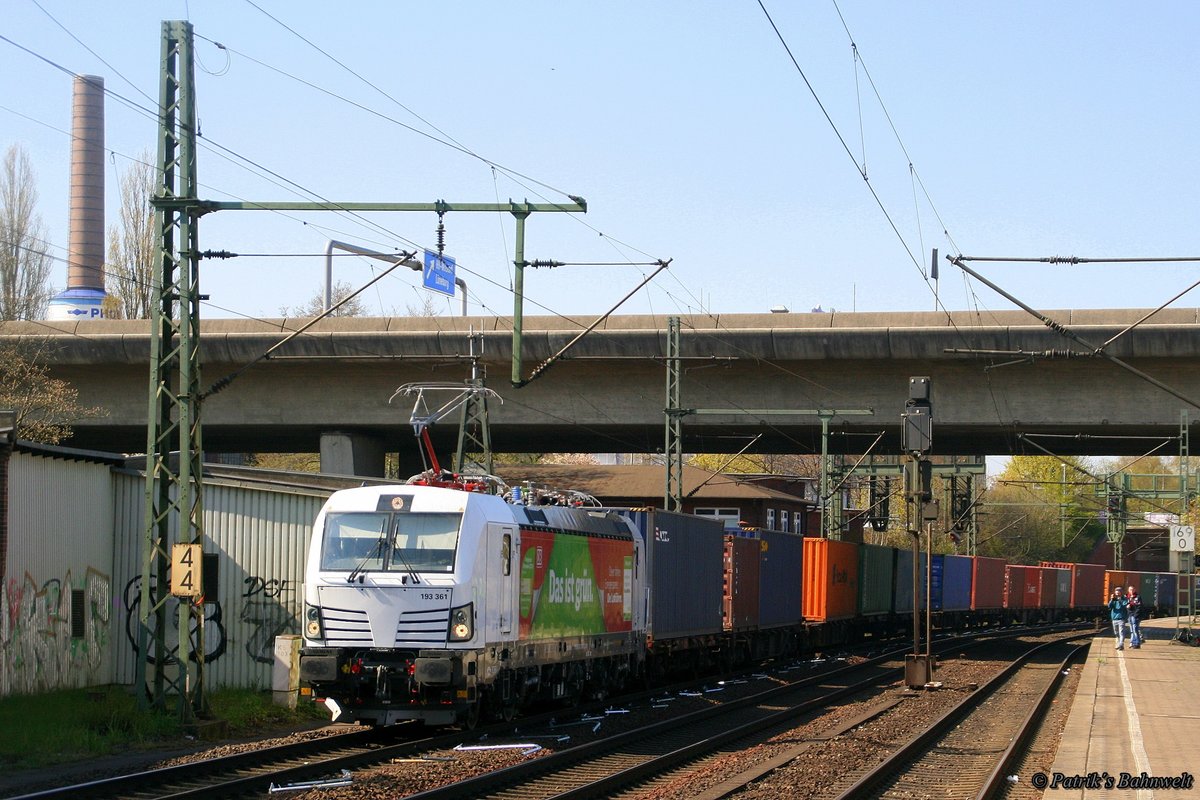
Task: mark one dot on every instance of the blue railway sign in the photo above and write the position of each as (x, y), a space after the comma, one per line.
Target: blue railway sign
(439, 273)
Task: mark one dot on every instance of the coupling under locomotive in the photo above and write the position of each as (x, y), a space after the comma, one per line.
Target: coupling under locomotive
(435, 604)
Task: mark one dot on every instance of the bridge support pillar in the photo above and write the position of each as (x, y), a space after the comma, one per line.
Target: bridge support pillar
(345, 453)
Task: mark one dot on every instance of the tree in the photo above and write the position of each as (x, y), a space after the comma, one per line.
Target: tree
(426, 309)
(315, 306)
(45, 406)
(1149, 481)
(804, 465)
(568, 458)
(1034, 512)
(288, 462)
(131, 249)
(24, 262)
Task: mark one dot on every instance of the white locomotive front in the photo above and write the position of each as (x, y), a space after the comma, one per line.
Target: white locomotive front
(437, 604)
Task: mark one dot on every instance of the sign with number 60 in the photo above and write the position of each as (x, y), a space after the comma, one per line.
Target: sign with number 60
(1183, 538)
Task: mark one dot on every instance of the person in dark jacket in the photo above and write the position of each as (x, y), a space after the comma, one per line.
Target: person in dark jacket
(1118, 611)
(1133, 606)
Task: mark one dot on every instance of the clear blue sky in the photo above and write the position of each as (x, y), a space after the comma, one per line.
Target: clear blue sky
(1036, 129)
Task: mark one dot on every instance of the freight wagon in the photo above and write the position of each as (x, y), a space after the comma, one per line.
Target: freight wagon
(438, 604)
(1157, 589)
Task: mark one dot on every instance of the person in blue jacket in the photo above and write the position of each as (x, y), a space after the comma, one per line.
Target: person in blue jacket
(1133, 614)
(1118, 610)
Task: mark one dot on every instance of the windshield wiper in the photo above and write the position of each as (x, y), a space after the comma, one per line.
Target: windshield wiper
(359, 570)
(398, 552)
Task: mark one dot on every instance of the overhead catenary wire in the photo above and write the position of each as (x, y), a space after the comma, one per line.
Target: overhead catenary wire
(256, 164)
(861, 167)
(517, 177)
(506, 170)
(101, 58)
(1068, 333)
(228, 379)
(896, 133)
(244, 160)
(1097, 478)
(238, 158)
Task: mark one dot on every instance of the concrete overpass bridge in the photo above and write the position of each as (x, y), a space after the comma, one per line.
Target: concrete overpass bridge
(333, 382)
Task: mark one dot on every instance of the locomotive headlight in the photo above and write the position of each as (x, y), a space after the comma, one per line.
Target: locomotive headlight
(462, 623)
(313, 628)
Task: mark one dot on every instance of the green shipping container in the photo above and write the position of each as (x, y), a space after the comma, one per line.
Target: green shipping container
(876, 579)
(1148, 589)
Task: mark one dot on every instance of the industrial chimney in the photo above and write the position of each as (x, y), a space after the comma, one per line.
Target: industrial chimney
(85, 258)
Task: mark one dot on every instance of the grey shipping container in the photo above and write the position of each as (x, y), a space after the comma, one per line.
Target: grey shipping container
(1062, 588)
(904, 587)
(780, 594)
(686, 556)
(876, 578)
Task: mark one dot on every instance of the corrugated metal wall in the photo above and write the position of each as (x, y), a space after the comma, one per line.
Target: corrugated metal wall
(260, 539)
(56, 605)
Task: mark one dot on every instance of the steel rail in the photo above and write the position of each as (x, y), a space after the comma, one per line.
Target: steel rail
(908, 752)
(996, 780)
(143, 781)
(537, 769)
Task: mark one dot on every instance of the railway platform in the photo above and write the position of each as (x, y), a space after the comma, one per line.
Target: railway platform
(1134, 724)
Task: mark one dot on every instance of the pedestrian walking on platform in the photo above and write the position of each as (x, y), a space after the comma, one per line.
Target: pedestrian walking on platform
(1118, 610)
(1133, 606)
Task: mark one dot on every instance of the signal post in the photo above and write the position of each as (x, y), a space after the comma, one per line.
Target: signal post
(916, 438)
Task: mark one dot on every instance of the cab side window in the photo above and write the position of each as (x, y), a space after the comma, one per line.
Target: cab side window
(506, 554)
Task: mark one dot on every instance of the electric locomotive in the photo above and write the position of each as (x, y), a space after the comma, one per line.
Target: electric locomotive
(437, 604)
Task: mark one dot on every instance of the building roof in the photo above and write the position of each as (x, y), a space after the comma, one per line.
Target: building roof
(639, 480)
(67, 453)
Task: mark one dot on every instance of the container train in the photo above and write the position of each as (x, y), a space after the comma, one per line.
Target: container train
(441, 605)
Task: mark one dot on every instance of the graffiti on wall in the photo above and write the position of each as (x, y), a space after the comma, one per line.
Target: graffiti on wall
(263, 611)
(214, 626)
(41, 646)
(267, 616)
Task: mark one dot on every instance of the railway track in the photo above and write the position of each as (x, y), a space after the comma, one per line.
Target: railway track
(245, 772)
(602, 767)
(636, 762)
(968, 751)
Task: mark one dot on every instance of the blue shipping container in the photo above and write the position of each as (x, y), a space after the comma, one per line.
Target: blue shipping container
(779, 571)
(935, 580)
(1168, 583)
(686, 556)
(956, 583)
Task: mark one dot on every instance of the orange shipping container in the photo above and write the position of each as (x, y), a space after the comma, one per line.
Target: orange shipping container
(1114, 578)
(830, 579)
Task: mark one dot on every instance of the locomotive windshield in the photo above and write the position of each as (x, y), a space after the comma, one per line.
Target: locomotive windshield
(382, 542)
